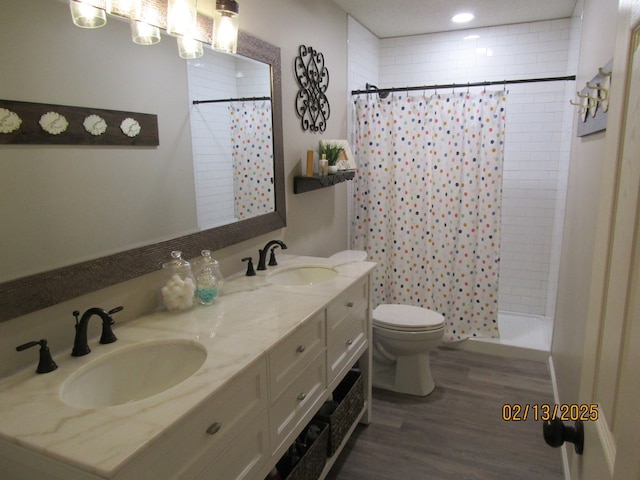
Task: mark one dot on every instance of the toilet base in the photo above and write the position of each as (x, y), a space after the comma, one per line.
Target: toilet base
(415, 377)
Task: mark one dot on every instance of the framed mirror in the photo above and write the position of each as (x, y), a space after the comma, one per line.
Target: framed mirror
(40, 289)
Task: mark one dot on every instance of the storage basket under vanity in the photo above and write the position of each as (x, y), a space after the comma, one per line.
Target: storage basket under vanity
(349, 395)
(312, 462)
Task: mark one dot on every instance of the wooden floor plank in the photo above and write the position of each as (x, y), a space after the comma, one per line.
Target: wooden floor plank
(458, 430)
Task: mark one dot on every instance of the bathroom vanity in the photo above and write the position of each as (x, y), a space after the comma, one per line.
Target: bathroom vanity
(272, 350)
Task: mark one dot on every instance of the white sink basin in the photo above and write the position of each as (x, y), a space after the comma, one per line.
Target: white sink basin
(133, 373)
(302, 275)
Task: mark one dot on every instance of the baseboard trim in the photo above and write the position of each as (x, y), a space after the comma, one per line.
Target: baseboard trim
(556, 397)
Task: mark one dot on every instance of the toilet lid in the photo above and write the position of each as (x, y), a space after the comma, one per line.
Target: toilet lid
(348, 256)
(406, 317)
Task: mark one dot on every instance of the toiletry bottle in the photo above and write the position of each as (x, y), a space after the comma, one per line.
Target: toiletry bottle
(179, 286)
(324, 165)
(209, 279)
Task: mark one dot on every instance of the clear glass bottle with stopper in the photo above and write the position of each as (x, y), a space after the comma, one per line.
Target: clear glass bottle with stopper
(179, 287)
(209, 279)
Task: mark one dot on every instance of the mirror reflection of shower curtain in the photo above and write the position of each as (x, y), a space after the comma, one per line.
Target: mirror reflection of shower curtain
(252, 155)
(428, 203)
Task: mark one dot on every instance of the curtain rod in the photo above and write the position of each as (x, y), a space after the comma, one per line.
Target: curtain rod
(222, 100)
(374, 89)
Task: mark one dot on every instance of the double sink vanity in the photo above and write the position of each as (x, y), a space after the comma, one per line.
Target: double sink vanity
(218, 391)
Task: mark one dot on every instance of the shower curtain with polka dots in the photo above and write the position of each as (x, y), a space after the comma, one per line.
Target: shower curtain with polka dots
(428, 201)
(252, 154)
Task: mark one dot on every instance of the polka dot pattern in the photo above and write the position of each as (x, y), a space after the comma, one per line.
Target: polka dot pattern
(427, 203)
(252, 155)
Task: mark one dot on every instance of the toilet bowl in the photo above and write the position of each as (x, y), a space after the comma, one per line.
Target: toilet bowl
(403, 336)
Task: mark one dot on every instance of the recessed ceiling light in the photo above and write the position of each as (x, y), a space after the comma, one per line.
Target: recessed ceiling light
(462, 17)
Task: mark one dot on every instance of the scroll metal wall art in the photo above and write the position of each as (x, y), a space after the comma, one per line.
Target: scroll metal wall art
(47, 124)
(312, 105)
(593, 102)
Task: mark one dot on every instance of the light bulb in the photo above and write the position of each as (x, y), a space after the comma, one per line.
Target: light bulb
(189, 48)
(87, 16)
(181, 17)
(144, 34)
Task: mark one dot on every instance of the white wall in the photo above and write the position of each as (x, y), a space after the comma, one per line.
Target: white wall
(537, 135)
(587, 156)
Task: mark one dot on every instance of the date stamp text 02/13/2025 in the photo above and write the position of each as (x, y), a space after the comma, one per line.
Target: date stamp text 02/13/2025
(518, 412)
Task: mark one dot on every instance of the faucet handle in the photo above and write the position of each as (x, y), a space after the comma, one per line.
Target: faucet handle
(46, 363)
(107, 334)
(272, 258)
(250, 270)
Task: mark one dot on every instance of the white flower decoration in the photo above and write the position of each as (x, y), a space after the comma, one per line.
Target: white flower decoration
(9, 121)
(130, 127)
(95, 125)
(53, 123)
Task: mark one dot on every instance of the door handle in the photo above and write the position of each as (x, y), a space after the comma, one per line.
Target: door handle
(556, 433)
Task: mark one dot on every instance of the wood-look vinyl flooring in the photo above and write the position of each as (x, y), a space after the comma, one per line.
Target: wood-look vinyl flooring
(457, 431)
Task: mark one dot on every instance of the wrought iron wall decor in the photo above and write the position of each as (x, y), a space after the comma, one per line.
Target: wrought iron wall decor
(312, 105)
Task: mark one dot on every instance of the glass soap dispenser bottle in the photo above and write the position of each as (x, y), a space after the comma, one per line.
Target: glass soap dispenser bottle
(209, 279)
(179, 287)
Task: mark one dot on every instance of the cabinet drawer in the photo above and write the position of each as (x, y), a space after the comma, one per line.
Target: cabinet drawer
(244, 457)
(345, 338)
(206, 432)
(352, 299)
(290, 357)
(298, 402)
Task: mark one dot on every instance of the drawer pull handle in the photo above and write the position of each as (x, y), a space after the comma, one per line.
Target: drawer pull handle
(300, 349)
(213, 429)
(302, 396)
(349, 342)
(350, 304)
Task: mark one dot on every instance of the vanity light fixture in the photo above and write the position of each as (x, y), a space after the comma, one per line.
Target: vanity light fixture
(87, 16)
(179, 18)
(225, 26)
(462, 17)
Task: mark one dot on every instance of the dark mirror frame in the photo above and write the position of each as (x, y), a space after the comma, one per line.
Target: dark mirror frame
(35, 292)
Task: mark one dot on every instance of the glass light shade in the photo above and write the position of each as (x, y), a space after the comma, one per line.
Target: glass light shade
(181, 17)
(87, 16)
(189, 48)
(125, 8)
(225, 26)
(144, 34)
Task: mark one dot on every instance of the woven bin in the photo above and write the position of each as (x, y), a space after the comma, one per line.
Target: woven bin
(313, 461)
(350, 396)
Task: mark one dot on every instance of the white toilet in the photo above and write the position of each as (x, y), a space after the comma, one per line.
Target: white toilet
(403, 336)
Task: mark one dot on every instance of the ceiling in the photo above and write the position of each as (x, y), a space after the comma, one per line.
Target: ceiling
(399, 18)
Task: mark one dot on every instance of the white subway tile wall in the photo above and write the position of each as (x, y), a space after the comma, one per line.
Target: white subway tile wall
(212, 77)
(217, 76)
(539, 129)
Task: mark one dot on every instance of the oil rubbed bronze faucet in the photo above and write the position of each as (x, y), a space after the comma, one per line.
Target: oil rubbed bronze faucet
(262, 262)
(80, 346)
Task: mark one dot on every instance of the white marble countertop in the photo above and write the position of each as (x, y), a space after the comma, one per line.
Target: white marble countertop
(249, 318)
